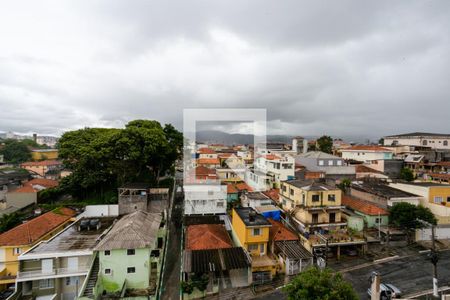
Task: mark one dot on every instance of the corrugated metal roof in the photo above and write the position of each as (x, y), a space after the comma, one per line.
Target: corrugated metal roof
(292, 249)
(133, 231)
(214, 260)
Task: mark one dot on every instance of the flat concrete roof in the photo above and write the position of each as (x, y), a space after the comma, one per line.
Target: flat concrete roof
(71, 239)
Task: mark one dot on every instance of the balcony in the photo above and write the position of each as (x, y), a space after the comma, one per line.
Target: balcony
(57, 272)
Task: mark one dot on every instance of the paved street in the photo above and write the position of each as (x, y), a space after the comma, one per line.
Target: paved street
(410, 275)
(171, 276)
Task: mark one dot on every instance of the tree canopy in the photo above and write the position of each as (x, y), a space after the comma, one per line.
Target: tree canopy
(15, 151)
(405, 215)
(320, 285)
(325, 144)
(106, 157)
(406, 174)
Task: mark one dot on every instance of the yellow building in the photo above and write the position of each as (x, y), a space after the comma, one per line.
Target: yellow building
(314, 204)
(44, 154)
(252, 231)
(22, 237)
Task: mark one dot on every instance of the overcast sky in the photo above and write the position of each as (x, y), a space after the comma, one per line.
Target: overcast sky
(336, 67)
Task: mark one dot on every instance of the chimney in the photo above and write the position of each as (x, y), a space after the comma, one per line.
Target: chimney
(35, 137)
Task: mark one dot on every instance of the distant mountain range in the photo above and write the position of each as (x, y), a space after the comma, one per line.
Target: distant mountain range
(220, 137)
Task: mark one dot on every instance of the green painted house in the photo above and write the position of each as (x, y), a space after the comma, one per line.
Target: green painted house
(372, 214)
(130, 257)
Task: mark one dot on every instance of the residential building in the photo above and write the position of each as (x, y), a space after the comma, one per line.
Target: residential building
(208, 162)
(232, 193)
(205, 174)
(382, 194)
(209, 251)
(373, 215)
(44, 154)
(255, 199)
(251, 231)
(130, 257)
(22, 237)
(366, 153)
(57, 268)
(269, 170)
(26, 195)
(320, 162)
(419, 139)
(203, 199)
(133, 197)
(285, 244)
(435, 196)
(44, 168)
(207, 153)
(230, 175)
(314, 205)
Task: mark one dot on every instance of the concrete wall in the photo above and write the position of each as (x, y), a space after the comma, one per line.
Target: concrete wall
(101, 210)
(442, 232)
(21, 200)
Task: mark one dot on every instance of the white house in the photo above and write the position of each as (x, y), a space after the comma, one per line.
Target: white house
(423, 139)
(366, 153)
(201, 199)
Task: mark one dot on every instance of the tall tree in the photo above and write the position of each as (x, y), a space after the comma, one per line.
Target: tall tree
(15, 152)
(325, 144)
(320, 284)
(405, 215)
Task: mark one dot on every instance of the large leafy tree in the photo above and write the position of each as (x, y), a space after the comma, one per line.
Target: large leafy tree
(104, 158)
(15, 152)
(325, 144)
(320, 284)
(405, 215)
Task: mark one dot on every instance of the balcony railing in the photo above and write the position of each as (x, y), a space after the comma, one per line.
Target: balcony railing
(57, 271)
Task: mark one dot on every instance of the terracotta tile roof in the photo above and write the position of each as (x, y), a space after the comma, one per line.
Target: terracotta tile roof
(366, 169)
(231, 189)
(314, 175)
(225, 155)
(439, 176)
(279, 232)
(365, 207)
(31, 186)
(243, 186)
(206, 151)
(204, 171)
(273, 194)
(33, 230)
(443, 163)
(367, 148)
(208, 161)
(41, 163)
(207, 236)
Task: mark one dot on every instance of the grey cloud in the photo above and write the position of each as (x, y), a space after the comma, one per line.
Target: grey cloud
(342, 68)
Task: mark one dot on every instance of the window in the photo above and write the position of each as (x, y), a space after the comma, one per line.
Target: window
(315, 198)
(378, 220)
(424, 143)
(320, 162)
(160, 242)
(256, 231)
(332, 197)
(330, 162)
(107, 271)
(261, 248)
(292, 192)
(17, 251)
(130, 252)
(210, 193)
(437, 199)
(72, 280)
(46, 284)
(131, 270)
(284, 188)
(252, 247)
(445, 143)
(448, 199)
(107, 252)
(315, 218)
(339, 162)
(220, 204)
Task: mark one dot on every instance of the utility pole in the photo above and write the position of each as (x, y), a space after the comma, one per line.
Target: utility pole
(379, 226)
(375, 286)
(433, 256)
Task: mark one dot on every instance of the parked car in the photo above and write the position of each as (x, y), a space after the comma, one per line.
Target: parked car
(387, 291)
